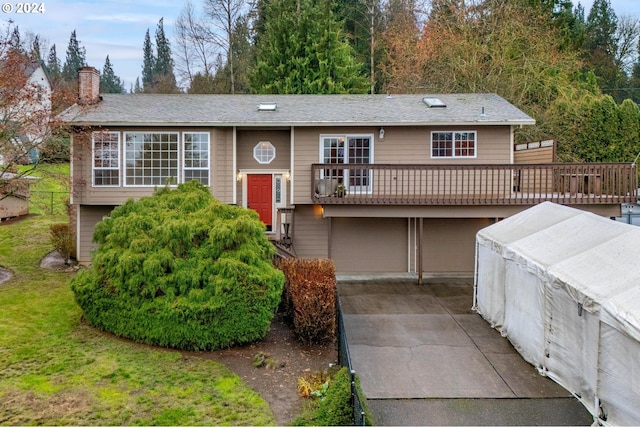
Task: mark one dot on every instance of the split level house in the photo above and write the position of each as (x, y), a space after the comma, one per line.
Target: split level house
(378, 183)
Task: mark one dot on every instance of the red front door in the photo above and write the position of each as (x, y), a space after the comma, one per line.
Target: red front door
(259, 192)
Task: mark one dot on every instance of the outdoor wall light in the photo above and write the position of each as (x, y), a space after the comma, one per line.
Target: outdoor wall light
(381, 133)
(287, 175)
(239, 176)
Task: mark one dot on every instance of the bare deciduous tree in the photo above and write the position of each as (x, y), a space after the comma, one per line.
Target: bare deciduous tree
(194, 46)
(25, 109)
(627, 36)
(223, 15)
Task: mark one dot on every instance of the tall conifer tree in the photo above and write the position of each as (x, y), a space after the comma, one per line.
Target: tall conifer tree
(601, 47)
(164, 78)
(53, 63)
(109, 82)
(75, 60)
(304, 50)
(149, 63)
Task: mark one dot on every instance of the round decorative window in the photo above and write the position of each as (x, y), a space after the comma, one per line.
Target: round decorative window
(264, 152)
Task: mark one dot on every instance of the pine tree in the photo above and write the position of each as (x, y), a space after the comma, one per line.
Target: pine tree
(303, 50)
(109, 82)
(149, 63)
(601, 48)
(53, 63)
(164, 78)
(35, 53)
(76, 55)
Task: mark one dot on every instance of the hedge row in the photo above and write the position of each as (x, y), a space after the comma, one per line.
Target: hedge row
(309, 297)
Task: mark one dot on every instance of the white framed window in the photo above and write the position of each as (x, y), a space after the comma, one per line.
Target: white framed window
(105, 148)
(196, 157)
(458, 144)
(348, 149)
(151, 158)
(264, 152)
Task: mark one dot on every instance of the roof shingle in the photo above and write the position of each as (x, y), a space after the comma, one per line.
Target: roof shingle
(295, 110)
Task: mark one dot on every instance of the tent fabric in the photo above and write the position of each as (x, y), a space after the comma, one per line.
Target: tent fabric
(563, 285)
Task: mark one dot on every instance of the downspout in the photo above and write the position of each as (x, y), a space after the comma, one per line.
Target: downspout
(234, 172)
(291, 165)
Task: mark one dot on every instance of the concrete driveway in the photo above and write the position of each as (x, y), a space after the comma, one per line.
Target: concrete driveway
(424, 358)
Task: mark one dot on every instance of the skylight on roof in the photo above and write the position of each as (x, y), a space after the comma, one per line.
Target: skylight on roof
(434, 102)
(267, 106)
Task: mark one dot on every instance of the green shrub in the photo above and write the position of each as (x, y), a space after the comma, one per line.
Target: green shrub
(181, 269)
(309, 297)
(62, 240)
(336, 408)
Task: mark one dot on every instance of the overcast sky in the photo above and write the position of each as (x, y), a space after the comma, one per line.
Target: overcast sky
(117, 27)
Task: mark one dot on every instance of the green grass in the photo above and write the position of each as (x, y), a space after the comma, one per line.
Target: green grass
(50, 193)
(55, 370)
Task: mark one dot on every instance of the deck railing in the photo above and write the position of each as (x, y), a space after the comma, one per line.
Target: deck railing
(486, 184)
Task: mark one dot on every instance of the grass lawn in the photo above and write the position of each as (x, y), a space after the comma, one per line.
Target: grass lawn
(55, 370)
(50, 193)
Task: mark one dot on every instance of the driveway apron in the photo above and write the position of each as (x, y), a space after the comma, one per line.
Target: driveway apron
(425, 358)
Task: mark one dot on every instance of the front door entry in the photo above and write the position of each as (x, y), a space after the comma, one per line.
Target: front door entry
(259, 193)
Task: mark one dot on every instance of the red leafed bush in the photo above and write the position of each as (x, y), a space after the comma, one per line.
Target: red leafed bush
(309, 297)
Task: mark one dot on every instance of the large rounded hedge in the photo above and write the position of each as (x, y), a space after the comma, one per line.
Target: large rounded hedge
(181, 269)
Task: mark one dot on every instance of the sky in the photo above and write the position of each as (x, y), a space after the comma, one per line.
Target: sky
(117, 27)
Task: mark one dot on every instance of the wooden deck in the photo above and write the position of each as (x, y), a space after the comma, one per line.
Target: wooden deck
(396, 184)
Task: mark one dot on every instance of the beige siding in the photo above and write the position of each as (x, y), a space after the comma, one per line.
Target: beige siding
(449, 244)
(311, 231)
(248, 139)
(222, 175)
(85, 193)
(88, 218)
(400, 145)
(535, 155)
(369, 245)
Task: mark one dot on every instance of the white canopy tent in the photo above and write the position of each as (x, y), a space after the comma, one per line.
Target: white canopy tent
(563, 285)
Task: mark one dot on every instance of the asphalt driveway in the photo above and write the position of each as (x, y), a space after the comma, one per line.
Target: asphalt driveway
(425, 358)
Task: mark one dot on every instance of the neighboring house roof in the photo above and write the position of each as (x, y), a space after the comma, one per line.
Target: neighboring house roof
(295, 110)
(32, 66)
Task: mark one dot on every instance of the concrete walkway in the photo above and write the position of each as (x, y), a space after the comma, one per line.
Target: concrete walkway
(424, 358)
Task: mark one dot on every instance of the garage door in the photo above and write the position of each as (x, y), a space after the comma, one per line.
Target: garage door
(369, 245)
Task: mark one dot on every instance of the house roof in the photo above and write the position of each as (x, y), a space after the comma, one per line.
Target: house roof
(295, 110)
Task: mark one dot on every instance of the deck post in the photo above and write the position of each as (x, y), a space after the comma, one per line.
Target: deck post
(420, 228)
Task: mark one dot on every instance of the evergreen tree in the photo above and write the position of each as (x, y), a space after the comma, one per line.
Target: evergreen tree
(364, 26)
(53, 63)
(164, 77)
(304, 50)
(75, 59)
(109, 82)
(35, 53)
(137, 88)
(15, 41)
(202, 83)
(601, 48)
(149, 62)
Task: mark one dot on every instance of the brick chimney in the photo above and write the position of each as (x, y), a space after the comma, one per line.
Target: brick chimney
(88, 86)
